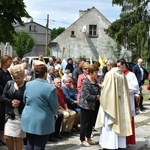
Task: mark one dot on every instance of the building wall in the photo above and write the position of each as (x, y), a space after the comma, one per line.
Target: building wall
(38, 32)
(81, 44)
(5, 49)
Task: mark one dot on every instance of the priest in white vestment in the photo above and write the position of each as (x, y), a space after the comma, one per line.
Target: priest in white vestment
(114, 114)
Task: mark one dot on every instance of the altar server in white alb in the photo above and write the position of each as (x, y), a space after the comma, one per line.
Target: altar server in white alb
(114, 113)
(133, 88)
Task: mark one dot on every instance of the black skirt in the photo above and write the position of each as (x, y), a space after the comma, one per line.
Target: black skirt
(2, 116)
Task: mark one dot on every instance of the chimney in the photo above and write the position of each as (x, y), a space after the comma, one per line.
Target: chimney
(82, 12)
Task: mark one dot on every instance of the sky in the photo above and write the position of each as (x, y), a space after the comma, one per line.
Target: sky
(62, 13)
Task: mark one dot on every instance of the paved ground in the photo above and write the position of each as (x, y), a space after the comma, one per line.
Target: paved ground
(142, 136)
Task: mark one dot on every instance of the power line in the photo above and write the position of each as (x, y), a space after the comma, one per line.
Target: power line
(54, 21)
(60, 21)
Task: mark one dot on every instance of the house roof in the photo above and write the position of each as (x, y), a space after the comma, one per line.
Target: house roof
(17, 25)
(86, 11)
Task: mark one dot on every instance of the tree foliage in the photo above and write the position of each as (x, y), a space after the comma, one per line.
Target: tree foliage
(55, 32)
(131, 30)
(23, 43)
(11, 13)
(115, 48)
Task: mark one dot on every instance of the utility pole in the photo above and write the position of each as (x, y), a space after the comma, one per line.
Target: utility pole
(47, 26)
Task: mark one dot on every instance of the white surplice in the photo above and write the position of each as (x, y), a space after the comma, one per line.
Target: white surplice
(133, 88)
(108, 138)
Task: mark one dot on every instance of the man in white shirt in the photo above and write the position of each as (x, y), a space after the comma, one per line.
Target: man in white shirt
(133, 88)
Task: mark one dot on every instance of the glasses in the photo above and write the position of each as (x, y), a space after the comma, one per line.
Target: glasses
(69, 82)
(121, 65)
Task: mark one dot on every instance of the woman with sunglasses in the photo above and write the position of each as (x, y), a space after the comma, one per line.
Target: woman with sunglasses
(81, 77)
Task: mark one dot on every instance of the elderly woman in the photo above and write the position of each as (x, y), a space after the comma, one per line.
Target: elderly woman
(13, 97)
(41, 105)
(50, 74)
(71, 99)
(5, 76)
(66, 74)
(90, 93)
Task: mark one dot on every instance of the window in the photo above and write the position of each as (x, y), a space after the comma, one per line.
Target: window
(93, 30)
(72, 34)
(35, 28)
(32, 28)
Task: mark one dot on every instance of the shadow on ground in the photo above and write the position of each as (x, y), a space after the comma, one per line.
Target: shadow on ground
(60, 147)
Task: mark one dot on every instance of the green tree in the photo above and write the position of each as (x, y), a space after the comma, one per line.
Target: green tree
(23, 43)
(131, 30)
(55, 32)
(115, 48)
(11, 12)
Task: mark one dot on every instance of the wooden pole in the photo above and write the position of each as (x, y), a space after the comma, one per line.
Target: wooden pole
(47, 26)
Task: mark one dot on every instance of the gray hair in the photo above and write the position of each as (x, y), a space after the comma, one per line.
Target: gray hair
(66, 78)
(58, 78)
(50, 68)
(67, 71)
(111, 62)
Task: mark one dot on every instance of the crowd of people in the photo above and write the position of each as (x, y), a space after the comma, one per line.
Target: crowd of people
(41, 102)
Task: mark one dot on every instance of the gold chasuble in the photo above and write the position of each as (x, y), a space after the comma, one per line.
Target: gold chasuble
(115, 102)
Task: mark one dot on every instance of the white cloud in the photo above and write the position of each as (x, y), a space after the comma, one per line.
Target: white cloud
(65, 12)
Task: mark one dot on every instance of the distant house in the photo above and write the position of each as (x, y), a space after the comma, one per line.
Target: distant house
(5, 49)
(38, 32)
(85, 36)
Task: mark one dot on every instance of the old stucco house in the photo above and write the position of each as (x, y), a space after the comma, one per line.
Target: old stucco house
(40, 33)
(85, 37)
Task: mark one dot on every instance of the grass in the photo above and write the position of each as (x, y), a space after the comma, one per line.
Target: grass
(145, 92)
